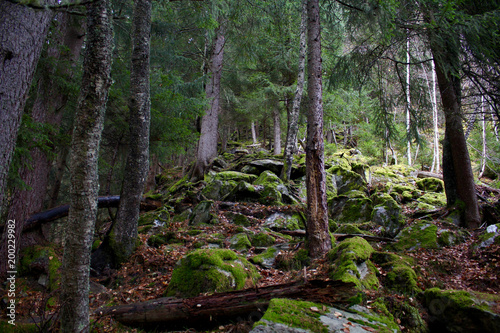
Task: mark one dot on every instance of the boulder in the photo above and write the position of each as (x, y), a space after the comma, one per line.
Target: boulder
(211, 270)
(258, 166)
(220, 184)
(286, 315)
(400, 275)
(417, 236)
(387, 213)
(490, 236)
(461, 311)
(204, 213)
(345, 180)
(351, 263)
(281, 221)
(430, 184)
(240, 242)
(273, 188)
(352, 207)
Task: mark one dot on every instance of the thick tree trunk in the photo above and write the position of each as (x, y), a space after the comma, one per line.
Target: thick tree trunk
(293, 117)
(122, 238)
(277, 129)
(22, 34)
(457, 171)
(89, 121)
(318, 238)
(207, 145)
(204, 312)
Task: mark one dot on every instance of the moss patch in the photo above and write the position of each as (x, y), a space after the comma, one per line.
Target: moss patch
(418, 235)
(263, 239)
(211, 270)
(350, 263)
(41, 260)
(430, 185)
(294, 314)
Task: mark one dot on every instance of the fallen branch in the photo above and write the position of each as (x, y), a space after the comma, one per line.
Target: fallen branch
(62, 211)
(301, 233)
(427, 174)
(207, 311)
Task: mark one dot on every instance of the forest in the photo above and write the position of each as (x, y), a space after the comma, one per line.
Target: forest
(249, 166)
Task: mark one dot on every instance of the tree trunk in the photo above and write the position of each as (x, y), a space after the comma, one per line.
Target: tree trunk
(277, 129)
(207, 145)
(122, 238)
(254, 134)
(293, 117)
(483, 132)
(22, 35)
(318, 238)
(204, 312)
(457, 171)
(89, 121)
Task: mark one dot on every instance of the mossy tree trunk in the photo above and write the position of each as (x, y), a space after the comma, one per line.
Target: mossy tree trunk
(89, 121)
(207, 144)
(122, 238)
(457, 170)
(318, 238)
(293, 116)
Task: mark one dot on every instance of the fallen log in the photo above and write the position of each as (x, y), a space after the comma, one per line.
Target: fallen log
(61, 211)
(301, 233)
(208, 311)
(427, 174)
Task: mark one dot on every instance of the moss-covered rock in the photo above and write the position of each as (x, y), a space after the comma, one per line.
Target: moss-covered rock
(352, 207)
(400, 275)
(263, 239)
(461, 311)
(281, 221)
(238, 219)
(258, 166)
(290, 261)
(220, 184)
(244, 192)
(43, 263)
(388, 215)
(240, 242)
(417, 236)
(203, 213)
(162, 239)
(267, 258)
(433, 199)
(351, 263)
(346, 180)
(430, 184)
(490, 236)
(284, 315)
(272, 188)
(160, 217)
(211, 270)
(451, 237)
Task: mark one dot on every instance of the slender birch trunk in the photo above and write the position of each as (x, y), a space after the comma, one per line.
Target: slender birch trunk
(277, 129)
(293, 117)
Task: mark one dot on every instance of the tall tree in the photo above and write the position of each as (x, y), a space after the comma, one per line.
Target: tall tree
(318, 237)
(207, 145)
(293, 116)
(457, 171)
(22, 33)
(50, 99)
(89, 120)
(121, 240)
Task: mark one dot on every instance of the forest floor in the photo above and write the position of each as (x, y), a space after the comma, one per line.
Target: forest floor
(148, 272)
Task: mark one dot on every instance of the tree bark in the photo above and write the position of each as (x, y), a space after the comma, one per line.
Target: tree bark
(293, 117)
(207, 145)
(457, 170)
(206, 311)
(22, 34)
(89, 121)
(122, 238)
(318, 238)
(277, 129)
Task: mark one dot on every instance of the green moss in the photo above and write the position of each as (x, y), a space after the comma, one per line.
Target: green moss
(211, 270)
(354, 208)
(179, 184)
(434, 199)
(351, 263)
(162, 239)
(294, 313)
(270, 194)
(41, 256)
(240, 242)
(267, 254)
(418, 235)
(238, 219)
(430, 184)
(263, 239)
(456, 299)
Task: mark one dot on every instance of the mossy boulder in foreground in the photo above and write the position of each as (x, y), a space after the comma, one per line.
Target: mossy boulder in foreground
(461, 311)
(211, 270)
(286, 315)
